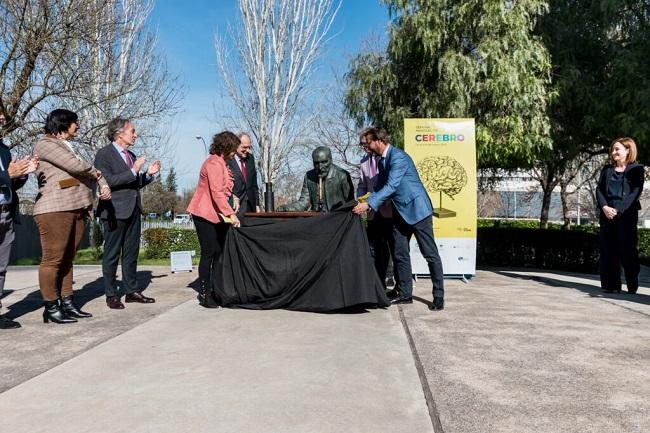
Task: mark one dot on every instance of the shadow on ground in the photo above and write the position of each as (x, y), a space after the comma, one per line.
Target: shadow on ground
(90, 291)
(593, 291)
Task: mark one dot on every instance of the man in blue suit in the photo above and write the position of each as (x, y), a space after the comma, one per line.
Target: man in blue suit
(412, 212)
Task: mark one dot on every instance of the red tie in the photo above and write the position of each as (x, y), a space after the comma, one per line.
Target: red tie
(129, 162)
(243, 169)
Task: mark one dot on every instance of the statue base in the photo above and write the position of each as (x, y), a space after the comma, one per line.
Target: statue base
(443, 213)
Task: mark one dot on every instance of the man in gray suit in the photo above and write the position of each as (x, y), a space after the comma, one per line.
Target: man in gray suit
(120, 215)
(325, 188)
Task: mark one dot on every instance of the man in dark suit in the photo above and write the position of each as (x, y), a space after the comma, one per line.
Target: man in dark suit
(13, 175)
(412, 212)
(244, 174)
(121, 214)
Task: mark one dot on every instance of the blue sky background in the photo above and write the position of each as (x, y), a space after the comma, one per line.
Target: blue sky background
(186, 33)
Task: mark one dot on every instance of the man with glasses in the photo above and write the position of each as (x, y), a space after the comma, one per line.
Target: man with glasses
(380, 224)
(399, 182)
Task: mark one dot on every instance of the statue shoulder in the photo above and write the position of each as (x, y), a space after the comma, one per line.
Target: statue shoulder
(340, 172)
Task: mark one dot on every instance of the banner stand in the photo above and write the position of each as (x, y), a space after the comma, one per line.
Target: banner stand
(444, 153)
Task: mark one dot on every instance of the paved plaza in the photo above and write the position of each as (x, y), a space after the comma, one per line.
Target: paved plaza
(514, 351)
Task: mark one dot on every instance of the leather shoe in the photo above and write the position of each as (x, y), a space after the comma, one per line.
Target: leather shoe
(611, 290)
(437, 304)
(392, 294)
(401, 300)
(114, 303)
(8, 323)
(138, 297)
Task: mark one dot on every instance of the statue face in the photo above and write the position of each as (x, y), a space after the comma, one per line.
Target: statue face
(322, 163)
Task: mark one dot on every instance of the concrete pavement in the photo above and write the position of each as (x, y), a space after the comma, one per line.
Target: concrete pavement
(514, 351)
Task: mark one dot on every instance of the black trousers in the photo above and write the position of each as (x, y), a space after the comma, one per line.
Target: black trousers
(212, 238)
(382, 247)
(121, 239)
(618, 246)
(423, 232)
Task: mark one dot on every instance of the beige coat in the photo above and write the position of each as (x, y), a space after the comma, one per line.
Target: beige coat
(65, 182)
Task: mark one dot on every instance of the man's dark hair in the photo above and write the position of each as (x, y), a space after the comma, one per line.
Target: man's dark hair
(115, 126)
(375, 133)
(59, 120)
(224, 143)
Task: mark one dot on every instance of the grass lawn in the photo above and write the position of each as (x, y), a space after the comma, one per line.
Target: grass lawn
(87, 257)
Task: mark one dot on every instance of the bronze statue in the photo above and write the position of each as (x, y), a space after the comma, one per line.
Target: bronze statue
(324, 188)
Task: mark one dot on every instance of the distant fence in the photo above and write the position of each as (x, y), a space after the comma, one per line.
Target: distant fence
(149, 224)
(153, 224)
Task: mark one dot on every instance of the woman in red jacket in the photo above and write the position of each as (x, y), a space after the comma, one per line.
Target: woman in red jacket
(211, 207)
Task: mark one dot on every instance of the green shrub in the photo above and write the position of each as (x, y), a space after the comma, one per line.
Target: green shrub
(160, 242)
(644, 246)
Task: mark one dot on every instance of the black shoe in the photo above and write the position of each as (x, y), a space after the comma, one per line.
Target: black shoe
(139, 298)
(401, 300)
(437, 304)
(392, 294)
(611, 290)
(69, 308)
(632, 290)
(114, 303)
(53, 313)
(8, 323)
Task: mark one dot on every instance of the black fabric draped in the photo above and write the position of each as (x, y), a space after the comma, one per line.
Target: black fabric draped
(319, 263)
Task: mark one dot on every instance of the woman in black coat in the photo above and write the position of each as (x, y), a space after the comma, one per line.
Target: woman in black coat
(619, 188)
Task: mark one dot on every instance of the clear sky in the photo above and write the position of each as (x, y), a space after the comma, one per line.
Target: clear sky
(186, 32)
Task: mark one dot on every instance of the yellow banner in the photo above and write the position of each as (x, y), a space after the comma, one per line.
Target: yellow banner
(444, 152)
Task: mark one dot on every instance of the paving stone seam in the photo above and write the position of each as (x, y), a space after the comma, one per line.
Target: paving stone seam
(434, 415)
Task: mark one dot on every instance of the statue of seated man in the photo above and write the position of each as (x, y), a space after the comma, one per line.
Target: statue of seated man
(324, 188)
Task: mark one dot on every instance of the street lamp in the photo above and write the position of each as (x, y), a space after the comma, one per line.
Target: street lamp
(205, 146)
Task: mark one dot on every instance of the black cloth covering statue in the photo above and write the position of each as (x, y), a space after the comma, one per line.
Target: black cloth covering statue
(318, 264)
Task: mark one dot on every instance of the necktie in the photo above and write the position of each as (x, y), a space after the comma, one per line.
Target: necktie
(373, 166)
(127, 157)
(242, 165)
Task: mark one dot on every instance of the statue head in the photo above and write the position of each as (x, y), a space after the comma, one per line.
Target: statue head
(322, 157)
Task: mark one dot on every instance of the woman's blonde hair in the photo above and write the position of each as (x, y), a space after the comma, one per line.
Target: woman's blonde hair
(627, 143)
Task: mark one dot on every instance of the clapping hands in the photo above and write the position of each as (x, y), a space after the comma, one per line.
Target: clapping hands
(154, 168)
(22, 167)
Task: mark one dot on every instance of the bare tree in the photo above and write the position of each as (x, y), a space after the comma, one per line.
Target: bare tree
(276, 44)
(488, 202)
(578, 173)
(129, 77)
(95, 57)
(37, 40)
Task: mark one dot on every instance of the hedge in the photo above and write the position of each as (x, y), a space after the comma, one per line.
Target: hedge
(523, 243)
(159, 242)
(500, 243)
(540, 248)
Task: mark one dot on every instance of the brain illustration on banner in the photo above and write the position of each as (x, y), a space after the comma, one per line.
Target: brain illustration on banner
(442, 174)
